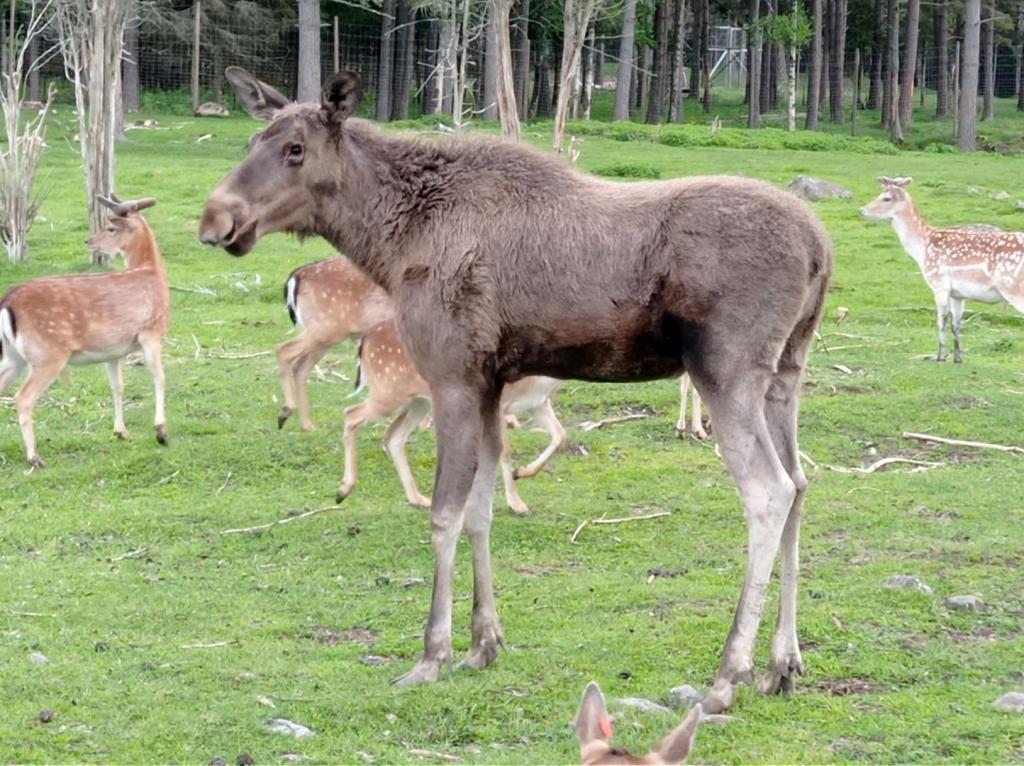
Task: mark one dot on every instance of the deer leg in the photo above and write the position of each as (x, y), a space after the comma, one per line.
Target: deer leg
(303, 369)
(684, 388)
(957, 307)
(355, 416)
(544, 417)
(39, 379)
(9, 371)
(696, 417)
(117, 387)
(151, 356)
(768, 493)
(942, 309)
(457, 420)
(487, 635)
(508, 476)
(287, 353)
(394, 442)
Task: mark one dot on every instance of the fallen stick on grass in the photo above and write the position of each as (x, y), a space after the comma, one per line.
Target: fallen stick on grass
(593, 425)
(215, 355)
(128, 555)
(624, 519)
(922, 465)
(577, 532)
(212, 645)
(279, 522)
(962, 442)
(432, 754)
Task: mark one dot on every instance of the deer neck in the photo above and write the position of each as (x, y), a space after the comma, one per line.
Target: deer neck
(144, 253)
(913, 232)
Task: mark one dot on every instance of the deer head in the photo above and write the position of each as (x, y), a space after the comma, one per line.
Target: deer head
(295, 161)
(123, 230)
(594, 729)
(892, 202)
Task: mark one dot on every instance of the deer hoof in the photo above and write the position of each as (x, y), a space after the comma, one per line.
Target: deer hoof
(520, 509)
(161, 434)
(282, 417)
(420, 502)
(122, 435)
(37, 462)
(308, 427)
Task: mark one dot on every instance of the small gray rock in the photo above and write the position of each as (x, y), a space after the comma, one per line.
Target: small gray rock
(684, 697)
(38, 658)
(966, 603)
(908, 581)
(374, 659)
(1002, 195)
(211, 109)
(293, 757)
(814, 189)
(284, 726)
(412, 582)
(641, 704)
(1011, 701)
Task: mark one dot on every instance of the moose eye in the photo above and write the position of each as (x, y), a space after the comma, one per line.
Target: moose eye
(295, 150)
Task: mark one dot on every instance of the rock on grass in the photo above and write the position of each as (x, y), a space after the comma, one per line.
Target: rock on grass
(908, 581)
(641, 704)
(284, 726)
(684, 697)
(816, 188)
(964, 603)
(1011, 701)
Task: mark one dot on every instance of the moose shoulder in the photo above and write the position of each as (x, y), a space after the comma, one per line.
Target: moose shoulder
(504, 262)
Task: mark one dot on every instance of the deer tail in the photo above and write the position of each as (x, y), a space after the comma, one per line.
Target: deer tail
(360, 382)
(291, 297)
(8, 327)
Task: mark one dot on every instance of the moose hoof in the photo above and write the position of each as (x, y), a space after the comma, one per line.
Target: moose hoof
(424, 672)
(282, 417)
(161, 434)
(782, 675)
(720, 698)
(479, 657)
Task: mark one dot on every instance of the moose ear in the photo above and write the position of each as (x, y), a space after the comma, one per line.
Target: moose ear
(258, 99)
(677, 745)
(592, 722)
(340, 95)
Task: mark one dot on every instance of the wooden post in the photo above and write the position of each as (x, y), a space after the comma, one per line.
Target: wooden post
(195, 56)
(956, 92)
(856, 91)
(337, 50)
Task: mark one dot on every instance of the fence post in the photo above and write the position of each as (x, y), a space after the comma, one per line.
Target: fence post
(337, 52)
(195, 58)
(856, 91)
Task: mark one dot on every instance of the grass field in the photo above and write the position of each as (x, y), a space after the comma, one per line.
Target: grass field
(169, 641)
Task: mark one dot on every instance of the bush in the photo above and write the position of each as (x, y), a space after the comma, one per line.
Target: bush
(628, 170)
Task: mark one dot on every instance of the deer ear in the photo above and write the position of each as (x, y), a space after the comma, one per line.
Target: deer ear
(901, 182)
(885, 181)
(340, 95)
(592, 722)
(258, 99)
(676, 746)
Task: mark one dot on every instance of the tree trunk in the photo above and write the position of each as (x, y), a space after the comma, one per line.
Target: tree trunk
(705, 54)
(385, 67)
(678, 70)
(598, 63)
(888, 94)
(767, 56)
(643, 81)
(197, 21)
(989, 48)
(895, 130)
(877, 57)
(754, 67)
(625, 76)
(968, 107)
(430, 55)
(909, 71)
(543, 86)
(309, 51)
(33, 75)
(129, 68)
(814, 68)
(449, 40)
(577, 16)
(490, 73)
(508, 108)
(589, 57)
(522, 62)
(659, 87)
(837, 59)
(942, 52)
(405, 52)
(1019, 44)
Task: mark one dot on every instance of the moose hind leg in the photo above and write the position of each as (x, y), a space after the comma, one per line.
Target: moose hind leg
(736, 405)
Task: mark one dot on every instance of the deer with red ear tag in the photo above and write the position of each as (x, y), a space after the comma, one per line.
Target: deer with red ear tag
(594, 730)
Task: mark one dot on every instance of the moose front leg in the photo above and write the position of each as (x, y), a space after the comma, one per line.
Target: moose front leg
(457, 418)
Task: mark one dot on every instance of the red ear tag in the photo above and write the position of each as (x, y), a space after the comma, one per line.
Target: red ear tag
(606, 727)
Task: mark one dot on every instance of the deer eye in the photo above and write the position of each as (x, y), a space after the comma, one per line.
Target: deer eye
(886, 198)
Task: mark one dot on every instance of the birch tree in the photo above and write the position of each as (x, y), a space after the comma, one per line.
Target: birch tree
(967, 109)
(19, 161)
(309, 50)
(625, 76)
(578, 14)
(505, 92)
(91, 34)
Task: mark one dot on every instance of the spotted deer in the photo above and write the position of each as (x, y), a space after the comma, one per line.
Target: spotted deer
(50, 322)
(504, 262)
(958, 264)
(395, 387)
(594, 730)
(331, 300)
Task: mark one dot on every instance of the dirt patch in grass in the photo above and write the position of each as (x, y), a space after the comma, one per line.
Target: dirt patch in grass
(842, 687)
(356, 635)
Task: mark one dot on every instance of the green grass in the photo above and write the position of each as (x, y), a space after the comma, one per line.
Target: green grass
(113, 562)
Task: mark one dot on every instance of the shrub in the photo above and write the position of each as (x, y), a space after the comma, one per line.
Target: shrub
(628, 170)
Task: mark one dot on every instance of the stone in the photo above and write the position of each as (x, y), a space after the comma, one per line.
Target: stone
(684, 697)
(284, 726)
(1002, 195)
(211, 109)
(38, 658)
(964, 603)
(814, 189)
(908, 581)
(293, 757)
(641, 704)
(1011, 701)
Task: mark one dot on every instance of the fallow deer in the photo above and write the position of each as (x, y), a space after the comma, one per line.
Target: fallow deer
(331, 300)
(594, 730)
(50, 322)
(396, 387)
(695, 425)
(504, 262)
(957, 264)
